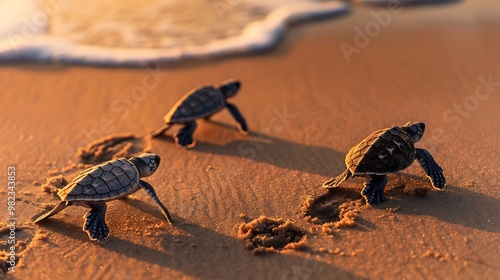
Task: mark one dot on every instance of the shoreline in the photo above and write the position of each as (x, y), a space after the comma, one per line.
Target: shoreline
(256, 36)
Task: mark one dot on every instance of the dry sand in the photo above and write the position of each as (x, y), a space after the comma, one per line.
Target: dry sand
(306, 107)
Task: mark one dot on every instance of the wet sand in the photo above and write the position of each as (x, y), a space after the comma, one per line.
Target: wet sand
(306, 106)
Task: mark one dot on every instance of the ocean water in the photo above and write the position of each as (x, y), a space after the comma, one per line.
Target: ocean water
(137, 32)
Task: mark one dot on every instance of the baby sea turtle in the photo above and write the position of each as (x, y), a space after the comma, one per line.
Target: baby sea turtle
(104, 182)
(199, 103)
(384, 152)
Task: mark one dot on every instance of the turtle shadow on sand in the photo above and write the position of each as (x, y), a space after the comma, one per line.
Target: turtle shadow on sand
(196, 251)
(261, 147)
(455, 204)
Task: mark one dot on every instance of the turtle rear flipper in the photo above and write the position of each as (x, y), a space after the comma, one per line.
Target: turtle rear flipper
(431, 168)
(160, 131)
(335, 182)
(374, 189)
(238, 117)
(95, 224)
(54, 211)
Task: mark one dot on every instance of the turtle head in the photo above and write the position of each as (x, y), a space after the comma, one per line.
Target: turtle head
(146, 164)
(416, 130)
(230, 88)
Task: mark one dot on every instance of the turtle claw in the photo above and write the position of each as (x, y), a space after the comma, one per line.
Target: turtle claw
(95, 224)
(374, 190)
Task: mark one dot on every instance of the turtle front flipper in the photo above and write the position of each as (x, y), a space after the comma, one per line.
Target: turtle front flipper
(374, 189)
(238, 117)
(95, 224)
(184, 137)
(335, 182)
(54, 211)
(151, 191)
(431, 168)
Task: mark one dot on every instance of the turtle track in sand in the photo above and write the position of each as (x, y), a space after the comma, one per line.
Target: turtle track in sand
(104, 149)
(333, 210)
(267, 235)
(112, 147)
(107, 148)
(24, 237)
(329, 212)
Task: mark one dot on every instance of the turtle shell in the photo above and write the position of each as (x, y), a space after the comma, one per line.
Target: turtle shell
(384, 151)
(103, 182)
(198, 103)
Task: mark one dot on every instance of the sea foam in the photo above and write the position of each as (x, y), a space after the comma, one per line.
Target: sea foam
(27, 34)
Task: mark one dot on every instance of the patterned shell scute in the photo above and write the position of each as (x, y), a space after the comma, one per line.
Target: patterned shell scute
(199, 103)
(384, 151)
(105, 181)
